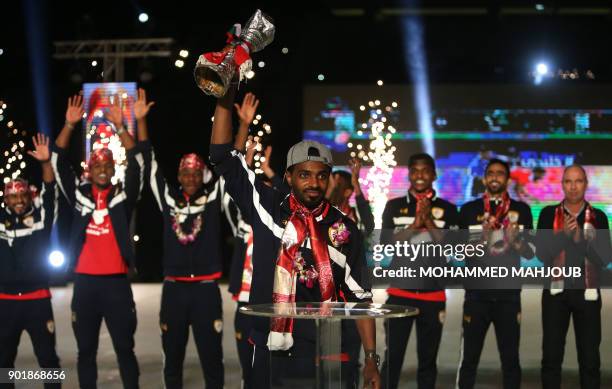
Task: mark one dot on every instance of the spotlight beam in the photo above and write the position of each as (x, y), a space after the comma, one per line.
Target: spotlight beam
(414, 49)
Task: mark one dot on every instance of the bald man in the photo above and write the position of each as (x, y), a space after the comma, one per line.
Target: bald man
(572, 234)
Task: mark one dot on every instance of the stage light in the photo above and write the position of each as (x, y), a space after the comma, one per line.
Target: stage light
(94, 63)
(1, 51)
(320, 77)
(184, 53)
(285, 50)
(261, 64)
(539, 7)
(136, 238)
(541, 68)
(143, 17)
(56, 259)
(380, 83)
(250, 74)
(414, 52)
(179, 63)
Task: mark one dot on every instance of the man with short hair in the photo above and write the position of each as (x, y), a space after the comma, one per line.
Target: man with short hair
(419, 217)
(501, 224)
(26, 221)
(100, 245)
(191, 260)
(573, 234)
(318, 257)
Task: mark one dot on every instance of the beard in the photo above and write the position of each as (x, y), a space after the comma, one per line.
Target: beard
(307, 201)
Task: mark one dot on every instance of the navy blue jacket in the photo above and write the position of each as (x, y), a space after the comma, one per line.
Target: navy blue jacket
(267, 211)
(201, 257)
(121, 202)
(24, 244)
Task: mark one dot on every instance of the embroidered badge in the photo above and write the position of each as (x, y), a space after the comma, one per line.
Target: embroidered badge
(404, 211)
(437, 212)
(202, 200)
(442, 316)
(513, 216)
(28, 221)
(338, 234)
(50, 326)
(218, 325)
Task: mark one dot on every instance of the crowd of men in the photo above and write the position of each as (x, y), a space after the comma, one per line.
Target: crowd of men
(296, 239)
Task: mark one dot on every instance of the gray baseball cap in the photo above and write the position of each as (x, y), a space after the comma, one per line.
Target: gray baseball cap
(308, 150)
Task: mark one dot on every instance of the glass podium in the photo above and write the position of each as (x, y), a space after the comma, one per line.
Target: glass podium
(326, 342)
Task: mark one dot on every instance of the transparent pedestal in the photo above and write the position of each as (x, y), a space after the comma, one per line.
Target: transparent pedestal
(326, 346)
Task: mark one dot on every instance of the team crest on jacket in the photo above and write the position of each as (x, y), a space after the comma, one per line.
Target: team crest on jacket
(338, 233)
(404, 211)
(28, 221)
(218, 325)
(51, 326)
(513, 216)
(437, 212)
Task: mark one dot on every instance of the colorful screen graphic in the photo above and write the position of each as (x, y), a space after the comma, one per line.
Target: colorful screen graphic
(99, 131)
(537, 132)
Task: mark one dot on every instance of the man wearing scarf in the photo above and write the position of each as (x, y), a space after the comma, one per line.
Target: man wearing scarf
(100, 245)
(26, 221)
(500, 223)
(418, 217)
(317, 256)
(573, 233)
(191, 262)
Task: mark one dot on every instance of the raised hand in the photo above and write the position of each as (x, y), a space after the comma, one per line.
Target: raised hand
(75, 110)
(265, 162)
(141, 107)
(246, 111)
(114, 113)
(251, 147)
(41, 148)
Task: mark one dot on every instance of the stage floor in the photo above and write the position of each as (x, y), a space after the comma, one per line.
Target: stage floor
(148, 345)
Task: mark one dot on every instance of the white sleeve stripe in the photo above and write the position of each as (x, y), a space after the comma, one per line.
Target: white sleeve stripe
(340, 260)
(58, 177)
(153, 181)
(264, 216)
(140, 160)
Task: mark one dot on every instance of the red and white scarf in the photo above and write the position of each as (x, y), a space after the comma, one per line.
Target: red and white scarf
(590, 271)
(501, 211)
(247, 269)
(302, 225)
(498, 241)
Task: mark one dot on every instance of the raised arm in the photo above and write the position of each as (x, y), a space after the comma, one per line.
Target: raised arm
(246, 113)
(141, 110)
(48, 193)
(74, 113)
(64, 174)
(41, 154)
(115, 116)
(222, 125)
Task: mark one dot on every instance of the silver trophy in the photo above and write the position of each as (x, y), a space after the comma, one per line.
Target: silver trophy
(214, 71)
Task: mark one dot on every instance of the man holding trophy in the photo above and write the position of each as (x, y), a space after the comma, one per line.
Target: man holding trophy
(305, 211)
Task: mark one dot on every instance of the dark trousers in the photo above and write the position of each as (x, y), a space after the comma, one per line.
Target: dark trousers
(195, 304)
(109, 298)
(429, 323)
(505, 317)
(586, 315)
(242, 329)
(36, 318)
(280, 368)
